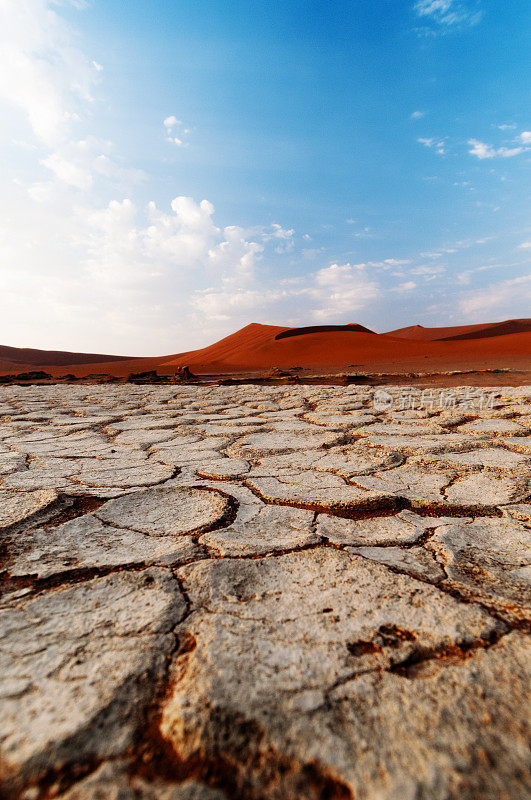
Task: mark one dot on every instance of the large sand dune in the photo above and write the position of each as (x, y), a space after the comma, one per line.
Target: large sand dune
(332, 348)
(263, 346)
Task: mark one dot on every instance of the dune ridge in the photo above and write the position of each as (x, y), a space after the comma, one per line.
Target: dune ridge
(33, 357)
(350, 328)
(478, 331)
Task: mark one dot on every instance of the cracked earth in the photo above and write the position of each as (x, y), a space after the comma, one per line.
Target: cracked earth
(258, 592)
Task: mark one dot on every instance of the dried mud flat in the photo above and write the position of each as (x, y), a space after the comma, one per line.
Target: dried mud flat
(264, 592)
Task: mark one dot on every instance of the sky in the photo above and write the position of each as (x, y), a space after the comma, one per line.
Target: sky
(171, 171)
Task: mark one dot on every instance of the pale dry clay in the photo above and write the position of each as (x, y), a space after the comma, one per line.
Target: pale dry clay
(263, 592)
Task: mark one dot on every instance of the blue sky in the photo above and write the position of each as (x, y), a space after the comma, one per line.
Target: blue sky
(172, 171)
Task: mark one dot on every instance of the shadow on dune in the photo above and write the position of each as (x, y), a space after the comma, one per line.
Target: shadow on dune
(350, 328)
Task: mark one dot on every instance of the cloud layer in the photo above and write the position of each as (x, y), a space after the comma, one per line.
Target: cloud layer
(449, 14)
(94, 255)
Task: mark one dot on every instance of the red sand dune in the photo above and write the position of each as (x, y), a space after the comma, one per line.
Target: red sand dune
(19, 356)
(481, 331)
(256, 348)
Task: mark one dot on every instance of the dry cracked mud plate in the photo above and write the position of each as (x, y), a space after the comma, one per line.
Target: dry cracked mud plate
(344, 678)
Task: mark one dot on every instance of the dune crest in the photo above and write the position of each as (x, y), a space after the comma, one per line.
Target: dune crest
(350, 328)
(32, 357)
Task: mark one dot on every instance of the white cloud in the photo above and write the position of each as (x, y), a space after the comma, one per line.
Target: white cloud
(334, 276)
(482, 150)
(312, 252)
(235, 257)
(41, 192)
(330, 294)
(129, 244)
(428, 271)
(68, 171)
(42, 72)
(339, 290)
(448, 13)
(393, 262)
(223, 305)
(417, 115)
(435, 144)
(498, 296)
(464, 278)
(407, 286)
(152, 277)
(283, 236)
(171, 122)
(281, 233)
(143, 272)
(365, 233)
(525, 245)
(385, 264)
(80, 163)
(525, 137)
